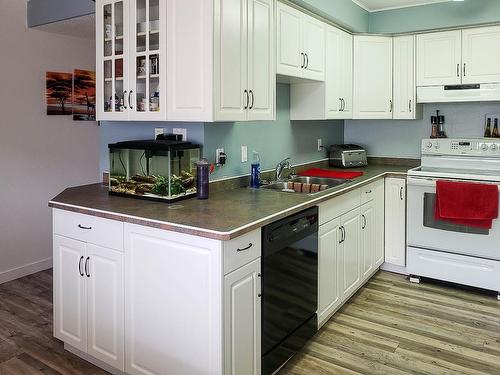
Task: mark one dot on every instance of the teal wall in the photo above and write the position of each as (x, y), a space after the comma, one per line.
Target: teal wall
(435, 16)
(342, 12)
(274, 140)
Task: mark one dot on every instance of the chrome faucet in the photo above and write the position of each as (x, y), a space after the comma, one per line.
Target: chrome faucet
(282, 165)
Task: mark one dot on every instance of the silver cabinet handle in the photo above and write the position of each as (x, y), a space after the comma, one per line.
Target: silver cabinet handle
(253, 99)
(129, 100)
(343, 104)
(458, 70)
(124, 100)
(245, 248)
(409, 105)
(401, 190)
(464, 70)
(87, 271)
(307, 61)
(391, 105)
(84, 228)
(364, 221)
(80, 267)
(248, 98)
(303, 60)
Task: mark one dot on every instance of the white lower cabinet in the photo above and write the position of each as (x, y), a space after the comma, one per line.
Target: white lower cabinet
(328, 269)
(242, 320)
(173, 303)
(368, 239)
(88, 299)
(351, 247)
(395, 222)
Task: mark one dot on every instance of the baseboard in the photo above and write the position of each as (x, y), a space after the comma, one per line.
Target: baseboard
(393, 268)
(94, 361)
(27, 269)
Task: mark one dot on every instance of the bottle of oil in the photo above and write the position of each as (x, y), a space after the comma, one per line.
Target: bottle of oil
(494, 133)
(487, 132)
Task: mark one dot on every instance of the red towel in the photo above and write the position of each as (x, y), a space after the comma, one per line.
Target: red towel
(316, 172)
(467, 203)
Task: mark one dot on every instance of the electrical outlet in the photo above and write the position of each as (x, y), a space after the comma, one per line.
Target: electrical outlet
(159, 131)
(217, 155)
(244, 154)
(320, 144)
(181, 131)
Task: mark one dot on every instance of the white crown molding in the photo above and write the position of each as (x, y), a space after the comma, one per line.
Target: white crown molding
(359, 3)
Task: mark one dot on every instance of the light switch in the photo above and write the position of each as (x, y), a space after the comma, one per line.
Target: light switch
(244, 154)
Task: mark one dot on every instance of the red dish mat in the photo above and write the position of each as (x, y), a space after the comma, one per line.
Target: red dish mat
(317, 172)
(467, 203)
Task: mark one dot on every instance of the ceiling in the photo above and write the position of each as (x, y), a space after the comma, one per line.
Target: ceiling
(80, 27)
(378, 5)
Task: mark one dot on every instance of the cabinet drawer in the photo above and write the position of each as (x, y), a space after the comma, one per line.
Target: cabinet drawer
(336, 207)
(241, 250)
(368, 192)
(87, 228)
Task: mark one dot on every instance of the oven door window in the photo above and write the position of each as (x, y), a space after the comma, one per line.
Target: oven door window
(431, 222)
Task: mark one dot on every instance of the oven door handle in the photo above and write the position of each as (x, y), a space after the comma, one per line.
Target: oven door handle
(421, 181)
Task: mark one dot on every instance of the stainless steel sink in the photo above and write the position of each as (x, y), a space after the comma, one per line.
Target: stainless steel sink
(324, 183)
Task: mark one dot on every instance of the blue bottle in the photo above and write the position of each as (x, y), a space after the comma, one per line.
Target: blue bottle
(255, 177)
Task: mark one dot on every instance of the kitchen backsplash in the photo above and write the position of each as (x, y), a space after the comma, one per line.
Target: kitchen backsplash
(274, 140)
(401, 139)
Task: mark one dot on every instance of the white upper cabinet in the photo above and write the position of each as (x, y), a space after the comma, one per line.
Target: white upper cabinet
(404, 87)
(313, 34)
(338, 75)
(301, 44)
(331, 99)
(439, 58)
(372, 77)
(261, 60)
(462, 56)
(481, 55)
(198, 60)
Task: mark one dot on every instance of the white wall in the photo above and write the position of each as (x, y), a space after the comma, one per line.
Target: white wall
(39, 155)
(403, 138)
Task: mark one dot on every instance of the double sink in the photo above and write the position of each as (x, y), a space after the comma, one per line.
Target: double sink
(306, 185)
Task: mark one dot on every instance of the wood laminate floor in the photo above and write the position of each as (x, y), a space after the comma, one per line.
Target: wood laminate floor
(389, 327)
(394, 327)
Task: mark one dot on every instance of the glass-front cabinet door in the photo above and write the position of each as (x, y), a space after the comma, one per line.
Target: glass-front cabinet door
(112, 19)
(147, 62)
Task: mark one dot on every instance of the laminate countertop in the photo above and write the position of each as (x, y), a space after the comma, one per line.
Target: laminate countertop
(224, 216)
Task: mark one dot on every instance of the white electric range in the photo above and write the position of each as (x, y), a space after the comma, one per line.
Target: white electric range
(445, 251)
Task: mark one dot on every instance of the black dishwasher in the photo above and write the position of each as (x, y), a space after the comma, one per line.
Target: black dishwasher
(290, 287)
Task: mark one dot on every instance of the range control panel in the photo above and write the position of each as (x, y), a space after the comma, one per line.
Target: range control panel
(465, 146)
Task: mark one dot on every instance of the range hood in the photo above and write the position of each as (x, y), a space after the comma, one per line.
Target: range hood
(485, 92)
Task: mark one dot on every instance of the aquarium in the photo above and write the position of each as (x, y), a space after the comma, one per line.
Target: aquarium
(153, 169)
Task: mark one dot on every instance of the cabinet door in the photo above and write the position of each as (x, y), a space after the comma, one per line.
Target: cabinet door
(242, 320)
(289, 52)
(346, 77)
(372, 77)
(368, 239)
(404, 78)
(439, 57)
(379, 200)
(481, 55)
(261, 66)
(173, 303)
(395, 221)
(70, 292)
(105, 305)
(231, 59)
(112, 59)
(313, 34)
(334, 73)
(328, 269)
(146, 99)
(351, 257)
